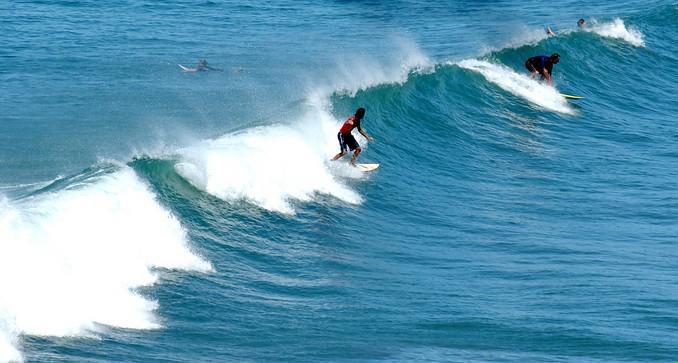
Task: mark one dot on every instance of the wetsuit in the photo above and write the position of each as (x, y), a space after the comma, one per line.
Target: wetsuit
(539, 63)
(346, 139)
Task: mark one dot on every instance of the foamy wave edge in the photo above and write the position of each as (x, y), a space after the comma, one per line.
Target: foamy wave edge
(520, 85)
(616, 29)
(70, 260)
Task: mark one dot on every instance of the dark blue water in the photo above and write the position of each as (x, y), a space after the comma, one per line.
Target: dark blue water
(149, 214)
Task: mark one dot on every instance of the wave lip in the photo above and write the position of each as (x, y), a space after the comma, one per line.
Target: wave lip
(69, 260)
(520, 85)
(618, 30)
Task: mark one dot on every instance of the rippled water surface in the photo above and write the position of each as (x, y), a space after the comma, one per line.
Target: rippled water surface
(150, 214)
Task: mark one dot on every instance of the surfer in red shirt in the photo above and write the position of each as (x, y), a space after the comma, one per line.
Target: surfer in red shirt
(346, 139)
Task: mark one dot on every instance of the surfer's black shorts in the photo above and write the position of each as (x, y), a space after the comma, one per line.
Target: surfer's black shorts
(530, 67)
(347, 142)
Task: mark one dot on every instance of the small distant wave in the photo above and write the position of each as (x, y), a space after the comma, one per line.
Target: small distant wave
(519, 85)
(70, 258)
(618, 30)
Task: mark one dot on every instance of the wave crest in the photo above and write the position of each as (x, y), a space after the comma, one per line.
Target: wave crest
(61, 255)
(520, 85)
(271, 165)
(618, 30)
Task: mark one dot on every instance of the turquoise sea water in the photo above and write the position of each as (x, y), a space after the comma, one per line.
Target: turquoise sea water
(153, 215)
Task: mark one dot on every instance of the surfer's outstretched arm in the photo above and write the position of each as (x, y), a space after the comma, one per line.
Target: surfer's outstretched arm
(365, 135)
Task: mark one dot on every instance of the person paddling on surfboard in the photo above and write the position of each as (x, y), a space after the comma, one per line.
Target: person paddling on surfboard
(542, 65)
(346, 139)
(201, 67)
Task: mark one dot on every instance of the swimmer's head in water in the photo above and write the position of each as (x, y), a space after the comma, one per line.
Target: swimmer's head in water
(581, 23)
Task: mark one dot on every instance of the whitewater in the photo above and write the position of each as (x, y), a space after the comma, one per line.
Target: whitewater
(197, 217)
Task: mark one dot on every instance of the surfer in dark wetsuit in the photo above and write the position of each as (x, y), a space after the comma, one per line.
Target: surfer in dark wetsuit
(346, 139)
(542, 65)
(201, 67)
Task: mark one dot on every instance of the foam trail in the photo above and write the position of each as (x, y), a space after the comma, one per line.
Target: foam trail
(69, 260)
(271, 165)
(618, 30)
(520, 85)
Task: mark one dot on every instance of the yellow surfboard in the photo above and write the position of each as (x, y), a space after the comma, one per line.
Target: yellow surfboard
(571, 97)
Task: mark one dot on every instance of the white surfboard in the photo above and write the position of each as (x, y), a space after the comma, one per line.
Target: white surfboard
(367, 167)
(187, 69)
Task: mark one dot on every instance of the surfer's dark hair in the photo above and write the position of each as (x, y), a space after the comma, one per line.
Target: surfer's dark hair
(360, 113)
(555, 55)
(581, 21)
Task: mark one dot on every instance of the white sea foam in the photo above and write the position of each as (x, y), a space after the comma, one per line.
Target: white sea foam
(69, 260)
(8, 340)
(618, 30)
(271, 165)
(520, 85)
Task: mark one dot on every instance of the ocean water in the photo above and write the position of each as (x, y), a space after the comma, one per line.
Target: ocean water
(153, 215)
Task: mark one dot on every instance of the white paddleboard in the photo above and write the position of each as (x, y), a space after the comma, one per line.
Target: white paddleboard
(367, 167)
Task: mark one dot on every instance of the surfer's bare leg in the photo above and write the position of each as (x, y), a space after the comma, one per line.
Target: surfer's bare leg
(338, 155)
(355, 155)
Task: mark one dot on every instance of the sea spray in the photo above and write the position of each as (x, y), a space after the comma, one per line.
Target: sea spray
(618, 30)
(269, 166)
(62, 253)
